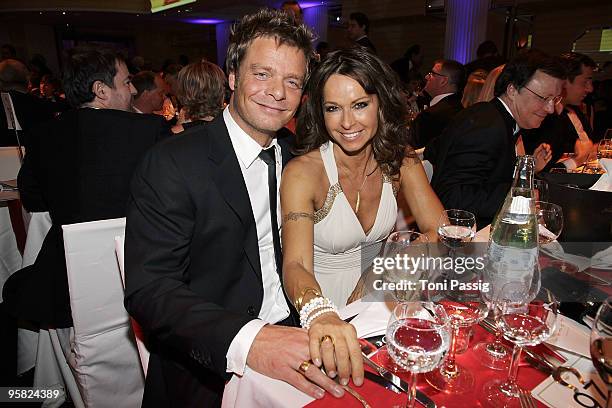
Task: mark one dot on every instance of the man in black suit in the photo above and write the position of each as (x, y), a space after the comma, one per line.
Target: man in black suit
(202, 249)
(78, 168)
(29, 110)
(569, 130)
(477, 151)
(487, 58)
(358, 30)
(444, 84)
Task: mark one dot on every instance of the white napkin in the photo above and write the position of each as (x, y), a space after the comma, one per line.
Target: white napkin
(571, 336)
(605, 181)
(373, 320)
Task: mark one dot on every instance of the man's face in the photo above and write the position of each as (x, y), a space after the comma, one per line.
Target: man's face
(576, 91)
(355, 30)
(120, 97)
(158, 94)
(528, 109)
(267, 88)
(435, 80)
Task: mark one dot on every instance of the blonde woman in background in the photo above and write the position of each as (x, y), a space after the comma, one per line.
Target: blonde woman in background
(488, 88)
(472, 89)
(200, 90)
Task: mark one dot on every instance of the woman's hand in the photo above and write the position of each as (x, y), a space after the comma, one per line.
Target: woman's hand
(542, 155)
(334, 344)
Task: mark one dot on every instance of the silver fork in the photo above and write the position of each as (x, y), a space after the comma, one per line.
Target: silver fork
(526, 399)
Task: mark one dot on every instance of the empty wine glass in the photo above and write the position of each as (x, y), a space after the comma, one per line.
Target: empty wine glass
(409, 245)
(524, 322)
(465, 306)
(550, 221)
(523, 268)
(418, 338)
(601, 345)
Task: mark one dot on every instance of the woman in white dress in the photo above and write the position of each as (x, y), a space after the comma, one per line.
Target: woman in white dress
(338, 198)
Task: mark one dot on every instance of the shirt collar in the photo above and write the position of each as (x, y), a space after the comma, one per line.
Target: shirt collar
(136, 109)
(246, 148)
(363, 36)
(516, 126)
(438, 98)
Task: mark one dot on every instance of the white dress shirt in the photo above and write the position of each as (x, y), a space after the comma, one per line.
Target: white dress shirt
(274, 307)
(519, 147)
(438, 98)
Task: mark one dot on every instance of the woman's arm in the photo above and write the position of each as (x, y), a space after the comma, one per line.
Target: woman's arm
(423, 202)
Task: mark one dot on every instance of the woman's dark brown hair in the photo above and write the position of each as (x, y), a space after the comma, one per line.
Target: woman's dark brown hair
(390, 144)
(201, 88)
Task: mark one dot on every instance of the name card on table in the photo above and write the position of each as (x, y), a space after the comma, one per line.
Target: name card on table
(590, 394)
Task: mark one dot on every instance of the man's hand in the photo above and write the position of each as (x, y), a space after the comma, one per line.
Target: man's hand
(278, 351)
(542, 155)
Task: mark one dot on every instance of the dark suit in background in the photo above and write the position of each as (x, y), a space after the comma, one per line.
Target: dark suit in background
(193, 273)
(30, 111)
(78, 168)
(366, 43)
(430, 123)
(476, 160)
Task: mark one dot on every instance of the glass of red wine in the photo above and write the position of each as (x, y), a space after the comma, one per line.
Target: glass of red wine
(418, 339)
(601, 345)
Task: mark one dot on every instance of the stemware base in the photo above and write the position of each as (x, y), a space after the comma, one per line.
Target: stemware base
(500, 394)
(493, 357)
(459, 383)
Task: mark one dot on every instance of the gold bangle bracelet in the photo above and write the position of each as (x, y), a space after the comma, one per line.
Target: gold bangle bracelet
(300, 299)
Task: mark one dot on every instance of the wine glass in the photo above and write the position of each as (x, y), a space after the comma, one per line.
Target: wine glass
(601, 344)
(604, 149)
(550, 221)
(524, 322)
(465, 306)
(407, 245)
(456, 228)
(418, 338)
(524, 268)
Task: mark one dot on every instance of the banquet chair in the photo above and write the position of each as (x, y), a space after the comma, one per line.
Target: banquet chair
(143, 352)
(9, 162)
(104, 356)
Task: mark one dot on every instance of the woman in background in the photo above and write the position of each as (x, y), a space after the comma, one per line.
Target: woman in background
(472, 89)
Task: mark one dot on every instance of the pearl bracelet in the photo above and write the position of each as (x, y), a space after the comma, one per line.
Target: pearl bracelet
(318, 313)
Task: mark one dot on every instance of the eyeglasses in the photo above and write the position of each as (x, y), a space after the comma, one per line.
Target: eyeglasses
(431, 73)
(546, 99)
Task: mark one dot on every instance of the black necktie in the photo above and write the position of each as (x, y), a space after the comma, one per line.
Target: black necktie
(269, 158)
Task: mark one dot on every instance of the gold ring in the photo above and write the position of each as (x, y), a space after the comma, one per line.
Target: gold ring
(327, 337)
(304, 367)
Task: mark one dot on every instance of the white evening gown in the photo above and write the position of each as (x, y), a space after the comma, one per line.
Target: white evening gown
(339, 240)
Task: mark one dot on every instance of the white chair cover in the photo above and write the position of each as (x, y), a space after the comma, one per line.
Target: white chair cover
(142, 348)
(10, 258)
(104, 356)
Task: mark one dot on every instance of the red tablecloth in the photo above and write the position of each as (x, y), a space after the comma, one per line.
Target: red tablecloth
(378, 396)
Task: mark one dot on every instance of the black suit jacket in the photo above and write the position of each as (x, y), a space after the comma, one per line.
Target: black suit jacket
(430, 123)
(30, 111)
(78, 168)
(559, 132)
(193, 274)
(366, 43)
(476, 160)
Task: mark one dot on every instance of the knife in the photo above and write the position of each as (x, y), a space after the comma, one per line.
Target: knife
(398, 382)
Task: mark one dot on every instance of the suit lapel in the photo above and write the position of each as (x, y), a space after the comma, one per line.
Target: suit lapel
(230, 182)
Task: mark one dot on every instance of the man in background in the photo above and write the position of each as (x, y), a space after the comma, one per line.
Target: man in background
(476, 157)
(150, 92)
(358, 29)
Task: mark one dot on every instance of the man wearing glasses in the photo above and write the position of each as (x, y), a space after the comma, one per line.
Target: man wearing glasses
(444, 84)
(477, 150)
(569, 131)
